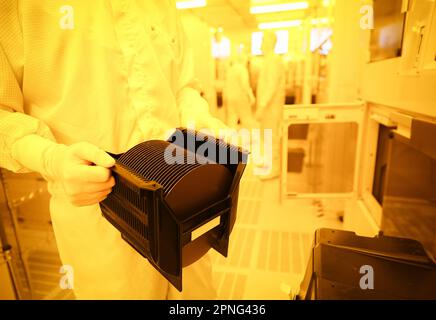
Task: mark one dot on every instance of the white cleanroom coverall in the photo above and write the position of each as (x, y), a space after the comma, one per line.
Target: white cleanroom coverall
(270, 97)
(239, 95)
(111, 74)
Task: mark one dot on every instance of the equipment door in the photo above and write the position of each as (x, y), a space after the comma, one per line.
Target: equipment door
(321, 150)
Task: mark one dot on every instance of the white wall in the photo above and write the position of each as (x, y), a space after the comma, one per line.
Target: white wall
(347, 55)
(382, 84)
(393, 83)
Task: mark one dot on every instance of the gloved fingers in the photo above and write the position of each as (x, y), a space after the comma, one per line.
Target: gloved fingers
(93, 154)
(88, 199)
(90, 187)
(89, 173)
(91, 202)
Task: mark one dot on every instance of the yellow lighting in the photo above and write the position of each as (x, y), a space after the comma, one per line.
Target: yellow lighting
(281, 45)
(190, 4)
(280, 24)
(221, 49)
(320, 21)
(291, 23)
(327, 3)
(280, 7)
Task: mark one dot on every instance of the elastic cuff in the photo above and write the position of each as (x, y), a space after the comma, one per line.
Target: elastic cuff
(29, 151)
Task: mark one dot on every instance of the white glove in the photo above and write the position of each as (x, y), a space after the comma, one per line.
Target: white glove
(82, 169)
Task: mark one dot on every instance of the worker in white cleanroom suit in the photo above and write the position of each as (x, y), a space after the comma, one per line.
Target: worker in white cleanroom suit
(238, 94)
(81, 78)
(270, 97)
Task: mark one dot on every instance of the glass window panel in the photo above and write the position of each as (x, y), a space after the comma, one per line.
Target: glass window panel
(321, 158)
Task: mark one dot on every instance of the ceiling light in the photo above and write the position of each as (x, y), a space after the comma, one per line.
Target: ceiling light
(280, 24)
(320, 21)
(190, 4)
(326, 3)
(280, 7)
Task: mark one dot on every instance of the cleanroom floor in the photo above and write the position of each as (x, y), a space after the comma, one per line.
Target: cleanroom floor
(270, 243)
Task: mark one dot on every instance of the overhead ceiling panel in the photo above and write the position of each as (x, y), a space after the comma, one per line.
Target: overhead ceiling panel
(235, 14)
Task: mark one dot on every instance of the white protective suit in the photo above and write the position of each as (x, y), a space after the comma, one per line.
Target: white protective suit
(113, 74)
(238, 95)
(270, 98)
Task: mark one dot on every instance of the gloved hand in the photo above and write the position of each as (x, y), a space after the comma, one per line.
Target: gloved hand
(82, 169)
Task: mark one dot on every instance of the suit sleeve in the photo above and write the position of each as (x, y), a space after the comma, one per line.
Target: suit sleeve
(14, 124)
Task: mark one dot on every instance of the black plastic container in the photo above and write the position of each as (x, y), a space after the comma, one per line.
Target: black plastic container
(401, 269)
(172, 214)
